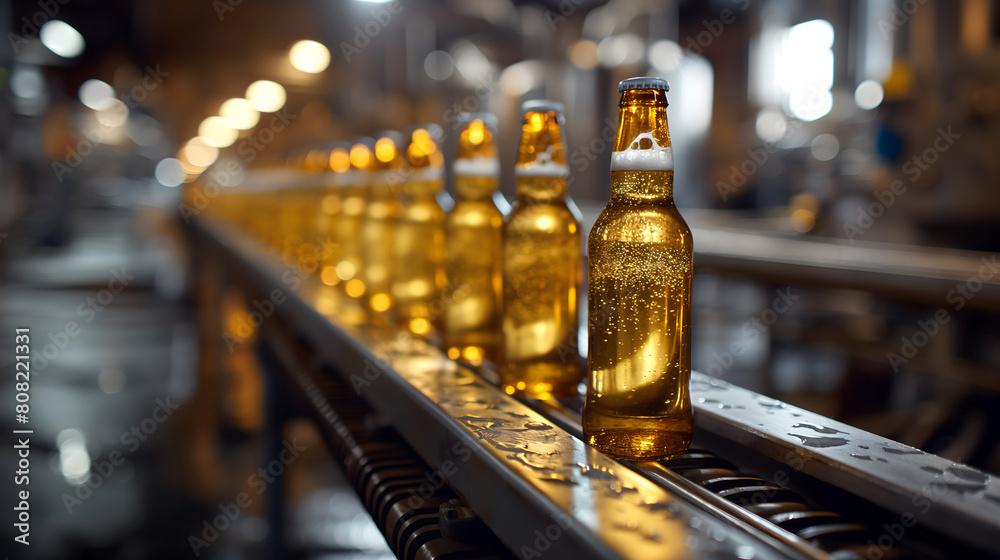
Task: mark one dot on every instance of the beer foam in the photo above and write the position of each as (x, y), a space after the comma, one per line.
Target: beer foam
(636, 159)
(543, 166)
(480, 167)
(544, 169)
(432, 173)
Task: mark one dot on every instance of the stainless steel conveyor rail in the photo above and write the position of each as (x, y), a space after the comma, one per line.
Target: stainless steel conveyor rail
(523, 471)
(892, 270)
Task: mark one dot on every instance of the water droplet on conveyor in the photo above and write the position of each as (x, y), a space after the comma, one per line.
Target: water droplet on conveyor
(523, 459)
(862, 457)
(510, 448)
(822, 441)
(932, 470)
(971, 475)
(960, 488)
(895, 451)
(537, 426)
(559, 479)
(670, 508)
(596, 472)
(621, 488)
(817, 428)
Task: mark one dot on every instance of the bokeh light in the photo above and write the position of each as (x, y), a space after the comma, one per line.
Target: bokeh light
(239, 114)
(96, 94)
(869, 94)
(199, 152)
(61, 38)
(309, 56)
(217, 132)
(170, 172)
(266, 96)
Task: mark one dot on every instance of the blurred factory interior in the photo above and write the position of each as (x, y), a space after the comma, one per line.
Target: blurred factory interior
(836, 160)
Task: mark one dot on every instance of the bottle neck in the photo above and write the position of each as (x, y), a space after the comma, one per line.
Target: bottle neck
(475, 187)
(423, 187)
(541, 188)
(642, 158)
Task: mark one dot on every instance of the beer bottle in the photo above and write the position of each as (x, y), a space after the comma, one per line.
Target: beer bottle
(473, 249)
(311, 215)
(639, 292)
(331, 204)
(382, 210)
(356, 183)
(418, 248)
(542, 264)
(290, 211)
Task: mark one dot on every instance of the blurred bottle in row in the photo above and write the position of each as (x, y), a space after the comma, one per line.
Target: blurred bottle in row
(473, 253)
(542, 264)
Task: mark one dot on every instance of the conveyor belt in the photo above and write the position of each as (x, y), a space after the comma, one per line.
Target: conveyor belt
(524, 471)
(419, 517)
(705, 478)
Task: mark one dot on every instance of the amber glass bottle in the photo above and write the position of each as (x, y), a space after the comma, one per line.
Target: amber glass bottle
(331, 204)
(382, 210)
(418, 248)
(639, 291)
(312, 219)
(542, 264)
(356, 184)
(473, 254)
(289, 212)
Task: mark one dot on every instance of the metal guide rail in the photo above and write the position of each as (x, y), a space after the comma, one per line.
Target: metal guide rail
(525, 472)
(892, 270)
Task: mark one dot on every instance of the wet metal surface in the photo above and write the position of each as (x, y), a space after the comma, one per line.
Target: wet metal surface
(541, 490)
(955, 499)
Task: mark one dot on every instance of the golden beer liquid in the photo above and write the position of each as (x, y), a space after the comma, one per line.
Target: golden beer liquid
(290, 220)
(474, 252)
(418, 248)
(310, 258)
(355, 187)
(639, 301)
(331, 204)
(542, 272)
(310, 211)
(348, 230)
(382, 211)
